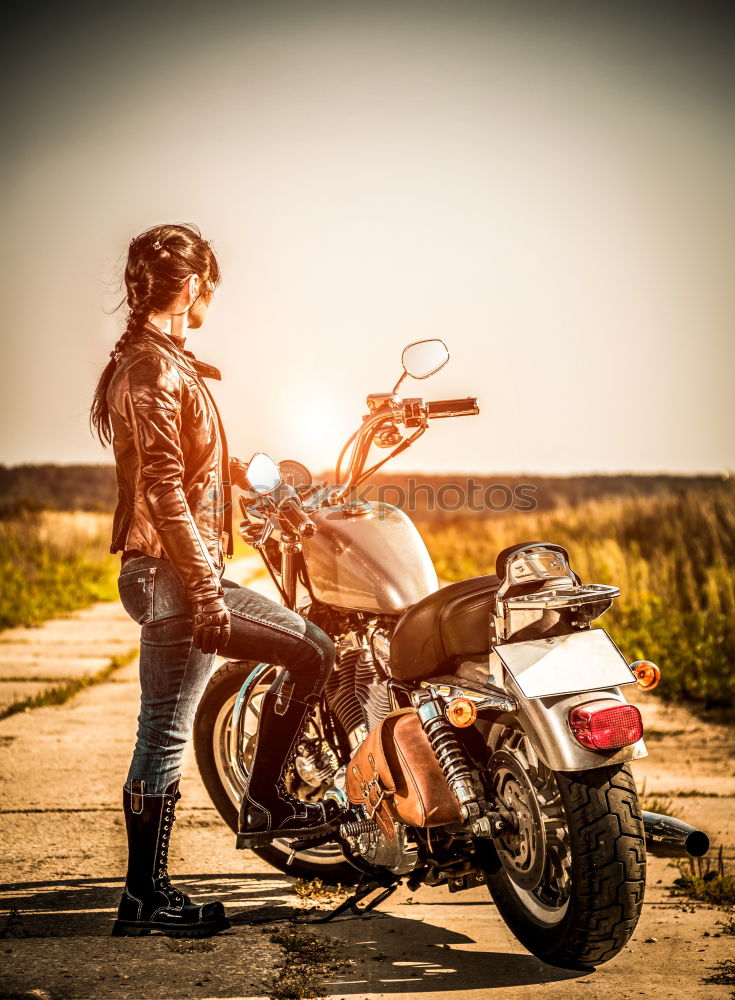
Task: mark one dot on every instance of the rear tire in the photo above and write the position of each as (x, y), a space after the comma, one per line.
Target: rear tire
(604, 869)
(225, 789)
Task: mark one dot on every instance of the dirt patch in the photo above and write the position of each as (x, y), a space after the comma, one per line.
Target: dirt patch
(308, 958)
(232, 965)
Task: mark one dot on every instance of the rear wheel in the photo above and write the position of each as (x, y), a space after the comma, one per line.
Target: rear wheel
(573, 874)
(225, 782)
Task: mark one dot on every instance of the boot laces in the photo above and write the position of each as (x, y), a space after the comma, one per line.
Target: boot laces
(163, 879)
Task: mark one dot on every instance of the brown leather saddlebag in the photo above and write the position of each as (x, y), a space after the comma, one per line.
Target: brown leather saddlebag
(396, 776)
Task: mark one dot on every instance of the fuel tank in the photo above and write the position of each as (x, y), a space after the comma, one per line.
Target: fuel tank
(368, 557)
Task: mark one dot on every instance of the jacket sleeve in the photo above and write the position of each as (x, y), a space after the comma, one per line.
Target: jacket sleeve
(153, 406)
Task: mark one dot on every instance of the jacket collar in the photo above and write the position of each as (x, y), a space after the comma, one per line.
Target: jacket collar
(200, 367)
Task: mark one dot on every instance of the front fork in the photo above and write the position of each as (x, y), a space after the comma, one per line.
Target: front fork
(237, 734)
(290, 547)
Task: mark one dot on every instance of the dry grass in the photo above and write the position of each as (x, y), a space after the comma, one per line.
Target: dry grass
(316, 891)
(705, 881)
(723, 974)
(308, 958)
(53, 562)
(673, 557)
(656, 803)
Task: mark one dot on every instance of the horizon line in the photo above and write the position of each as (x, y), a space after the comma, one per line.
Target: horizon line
(723, 474)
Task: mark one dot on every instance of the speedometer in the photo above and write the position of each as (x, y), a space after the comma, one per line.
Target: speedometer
(294, 473)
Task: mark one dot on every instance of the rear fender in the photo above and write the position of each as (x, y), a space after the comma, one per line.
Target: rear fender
(545, 721)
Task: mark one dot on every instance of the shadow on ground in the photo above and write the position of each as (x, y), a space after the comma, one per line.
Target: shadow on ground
(395, 955)
(389, 954)
(85, 907)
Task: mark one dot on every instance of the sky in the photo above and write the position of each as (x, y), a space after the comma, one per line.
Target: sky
(547, 187)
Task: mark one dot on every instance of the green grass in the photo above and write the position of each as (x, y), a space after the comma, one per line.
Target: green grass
(673, 557)
(671, 554)
(52, 563)
(59, 693)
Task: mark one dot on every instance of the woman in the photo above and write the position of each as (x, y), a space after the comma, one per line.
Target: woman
(173, 524)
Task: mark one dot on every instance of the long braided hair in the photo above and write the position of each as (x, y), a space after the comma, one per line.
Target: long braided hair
(159, 262)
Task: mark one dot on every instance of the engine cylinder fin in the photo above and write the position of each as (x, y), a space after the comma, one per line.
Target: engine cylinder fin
(371, 690)
(340, 692)
(355, 692)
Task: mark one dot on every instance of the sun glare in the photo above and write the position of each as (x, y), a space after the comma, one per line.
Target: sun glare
(321, 430)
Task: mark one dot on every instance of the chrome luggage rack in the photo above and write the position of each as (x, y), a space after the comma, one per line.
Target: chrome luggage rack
(562, 588)
(563, 597)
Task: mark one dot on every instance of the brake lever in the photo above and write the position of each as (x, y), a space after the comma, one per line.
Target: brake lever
(264, 536)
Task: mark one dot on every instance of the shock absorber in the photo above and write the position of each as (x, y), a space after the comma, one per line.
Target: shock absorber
(448, 752)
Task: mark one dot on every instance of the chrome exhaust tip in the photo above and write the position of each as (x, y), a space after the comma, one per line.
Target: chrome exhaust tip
(667, 837)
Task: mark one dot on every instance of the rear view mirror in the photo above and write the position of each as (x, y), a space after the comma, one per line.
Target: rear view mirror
(263, 473)
(424, 357)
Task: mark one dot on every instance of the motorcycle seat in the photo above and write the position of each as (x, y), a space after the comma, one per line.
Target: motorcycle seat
(451, 622)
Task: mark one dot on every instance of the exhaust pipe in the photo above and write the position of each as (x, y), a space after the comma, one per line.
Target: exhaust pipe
(667, 837)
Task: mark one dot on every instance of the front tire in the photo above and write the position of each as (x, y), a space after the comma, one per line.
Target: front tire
(226, 788)
(583, 907)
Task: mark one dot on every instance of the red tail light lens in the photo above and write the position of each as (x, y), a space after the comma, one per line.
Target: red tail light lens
(606, 725)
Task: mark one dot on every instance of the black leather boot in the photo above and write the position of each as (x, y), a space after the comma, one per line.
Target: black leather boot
(268, 811)
(149, 902)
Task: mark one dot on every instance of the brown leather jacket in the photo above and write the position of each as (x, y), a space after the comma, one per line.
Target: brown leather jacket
(174, 498)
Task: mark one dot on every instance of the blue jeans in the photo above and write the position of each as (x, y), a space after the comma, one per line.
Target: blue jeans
(174, 674)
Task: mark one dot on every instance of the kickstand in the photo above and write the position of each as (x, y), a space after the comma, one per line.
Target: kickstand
(351, 905)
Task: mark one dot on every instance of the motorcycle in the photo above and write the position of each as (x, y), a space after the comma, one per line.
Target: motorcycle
(474, 734)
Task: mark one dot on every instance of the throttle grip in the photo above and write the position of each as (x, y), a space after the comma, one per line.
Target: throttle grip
(296, 519)
(453, 407)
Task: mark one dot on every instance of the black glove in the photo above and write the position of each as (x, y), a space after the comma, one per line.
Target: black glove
(211, 623)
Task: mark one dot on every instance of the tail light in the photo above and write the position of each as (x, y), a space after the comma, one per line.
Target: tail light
(647, 674)
(606, 725)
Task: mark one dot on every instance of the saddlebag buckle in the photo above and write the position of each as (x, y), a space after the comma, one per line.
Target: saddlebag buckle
(373, 791)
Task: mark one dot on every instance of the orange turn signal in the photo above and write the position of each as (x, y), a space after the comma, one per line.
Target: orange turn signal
(647, 674)
(461, 712)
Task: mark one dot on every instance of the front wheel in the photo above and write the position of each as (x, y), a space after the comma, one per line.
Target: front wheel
(572, 875)
(226, 783)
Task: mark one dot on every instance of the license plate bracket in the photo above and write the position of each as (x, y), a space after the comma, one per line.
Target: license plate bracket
(564, 664)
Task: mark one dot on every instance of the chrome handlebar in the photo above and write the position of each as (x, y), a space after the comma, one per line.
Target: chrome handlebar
(296, 519)
(388, 411)
(453, 407)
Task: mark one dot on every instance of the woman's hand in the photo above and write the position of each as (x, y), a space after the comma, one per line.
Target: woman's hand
(238, 470)
(211, 624)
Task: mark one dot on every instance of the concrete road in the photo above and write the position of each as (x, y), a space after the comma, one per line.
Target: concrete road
(63, 857)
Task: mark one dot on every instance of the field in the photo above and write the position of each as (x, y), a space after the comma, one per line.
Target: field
(55, 561)
(671, 553)
(673, 557)
(52, 562)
